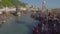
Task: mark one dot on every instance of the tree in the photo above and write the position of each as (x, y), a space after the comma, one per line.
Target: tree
(10, 3)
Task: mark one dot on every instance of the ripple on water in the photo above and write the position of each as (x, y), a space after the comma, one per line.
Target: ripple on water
(24, 25)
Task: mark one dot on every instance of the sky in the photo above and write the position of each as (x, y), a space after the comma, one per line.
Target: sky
(50, 4)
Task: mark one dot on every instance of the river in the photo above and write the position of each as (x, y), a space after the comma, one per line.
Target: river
(18, 25)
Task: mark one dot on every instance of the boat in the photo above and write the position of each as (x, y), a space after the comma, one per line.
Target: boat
(19, 14)
(2, 22)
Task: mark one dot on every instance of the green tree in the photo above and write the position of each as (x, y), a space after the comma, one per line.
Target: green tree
(10, 3)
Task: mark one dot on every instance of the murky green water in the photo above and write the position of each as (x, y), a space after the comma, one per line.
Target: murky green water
(18, 25)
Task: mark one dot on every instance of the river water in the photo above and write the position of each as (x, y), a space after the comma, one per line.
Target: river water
(18, 25)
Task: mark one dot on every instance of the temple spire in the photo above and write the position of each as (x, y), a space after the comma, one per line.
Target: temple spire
(44, 6)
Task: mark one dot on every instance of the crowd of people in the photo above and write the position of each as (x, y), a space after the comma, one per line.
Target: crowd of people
(48, 23)
(3, 17)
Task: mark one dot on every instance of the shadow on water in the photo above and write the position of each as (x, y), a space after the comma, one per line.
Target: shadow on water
(20, 22)
(30, 27)
(0, 25)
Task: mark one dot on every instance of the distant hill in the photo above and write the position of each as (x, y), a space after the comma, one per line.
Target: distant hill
(10, 3)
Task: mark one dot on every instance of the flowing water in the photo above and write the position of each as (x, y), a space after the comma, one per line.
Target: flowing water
(18, 25)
